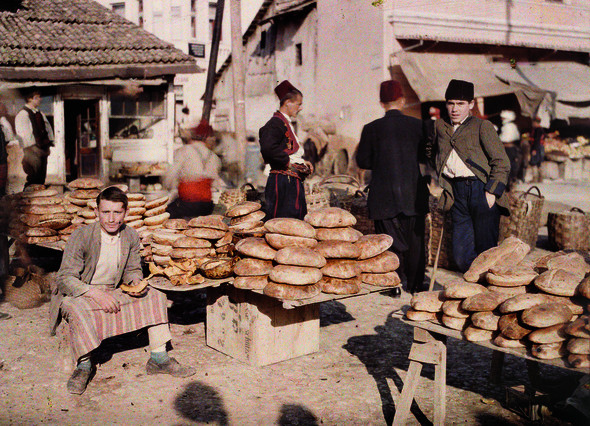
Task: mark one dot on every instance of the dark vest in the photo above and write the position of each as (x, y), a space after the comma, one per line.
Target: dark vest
(39, 130)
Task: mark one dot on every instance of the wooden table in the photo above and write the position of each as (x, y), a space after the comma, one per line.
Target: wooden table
(260, 330)
(429, 347)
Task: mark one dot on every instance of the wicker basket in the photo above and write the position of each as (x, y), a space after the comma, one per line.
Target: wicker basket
(342, 190)
(569, 229)
(317, 198)
(360, 210)
(525, 216)
(27, 292)
(231, 197)
(437, 221)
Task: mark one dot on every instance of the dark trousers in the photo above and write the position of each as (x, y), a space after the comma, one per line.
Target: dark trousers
(514, 154)
(476, 227)
(180, 209)
(35, 165)
(284, 197)
(408, 245)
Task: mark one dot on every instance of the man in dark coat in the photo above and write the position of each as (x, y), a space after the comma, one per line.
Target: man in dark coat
(473, 169)
(398, 197)
(280, 148)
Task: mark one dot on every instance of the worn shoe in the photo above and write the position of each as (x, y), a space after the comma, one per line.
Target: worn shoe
(79, 380)
(171, 367)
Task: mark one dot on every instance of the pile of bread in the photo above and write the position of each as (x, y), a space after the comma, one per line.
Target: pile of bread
(542, 305)
(298, 259)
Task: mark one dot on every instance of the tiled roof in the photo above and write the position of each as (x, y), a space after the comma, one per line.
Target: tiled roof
(80, 33)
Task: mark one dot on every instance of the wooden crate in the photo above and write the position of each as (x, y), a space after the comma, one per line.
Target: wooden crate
(256, 329)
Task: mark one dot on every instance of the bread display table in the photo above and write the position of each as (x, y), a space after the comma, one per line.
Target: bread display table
(429, 347)
(260, 330)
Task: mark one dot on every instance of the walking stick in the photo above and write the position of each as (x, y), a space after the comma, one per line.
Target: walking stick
(435, 267)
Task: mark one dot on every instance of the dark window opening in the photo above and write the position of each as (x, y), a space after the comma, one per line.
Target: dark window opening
(298, 54)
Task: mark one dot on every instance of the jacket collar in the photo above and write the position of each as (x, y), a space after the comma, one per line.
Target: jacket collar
(393, 112)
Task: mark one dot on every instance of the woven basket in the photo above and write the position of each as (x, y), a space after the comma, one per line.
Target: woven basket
(360, 210)
(569, 229)
(231, 197)
(26, 292)
(436, 221)
(525, 216)
(342, 189)
(317, 198)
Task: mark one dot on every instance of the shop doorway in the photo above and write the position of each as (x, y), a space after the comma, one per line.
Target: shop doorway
(82, 138)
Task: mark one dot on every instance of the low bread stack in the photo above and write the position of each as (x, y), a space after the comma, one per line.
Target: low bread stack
(42, 216)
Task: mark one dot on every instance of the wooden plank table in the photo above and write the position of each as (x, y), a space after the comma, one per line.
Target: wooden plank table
(429, 347)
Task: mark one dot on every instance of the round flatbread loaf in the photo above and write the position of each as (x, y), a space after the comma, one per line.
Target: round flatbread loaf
(255, 247)
(228, 238)
(337, 250)
(86, 183)
(384, 262)
(161, 260)
(247, 227)
(546, 315)
(136, 196)
(454, 323)
(72, 208)
(453, 308)
(295, 275)
(522, 301)
(40, 232)
(330, 217)
(42, 240)
(156, 211)
(414, 315)
(40, 193)
(79, 202)
(291, 292)
(487, 320)
(204, 233)
(55, 223)
(252, 267)
(165, 236)
(280, 241)
(555, 333)
(460, 289)
(579, 361)
(487, 301)
(136, 211)
(177, 224)
(85, 194)
(558, 282)
(213, 221)
(579, 327)
(254, 282)
(388, 279)
(89, 221)
(256, 216)
(331, 285)
(259, 231)
(301, 256)
(575, 304)
(243, 209)
(161, 249)
(549, 350)
(152, 204)
(91, 204)
(583, 288)
(511, 327)
(41, 201)
(156, 220)
(77, 220)
(573, 263)
(44, 209)
(87, 213)
(191, 253)
(511, 291)
(511, 249)
(506, 342)
(130, 204)
(190, 242)
(341, 268)
(129, 219)
(68, 230)
(373, 244)
(474, 334)
(579, 345)
(511, 276)
(289, 226)
(429, 301)
(340, 234)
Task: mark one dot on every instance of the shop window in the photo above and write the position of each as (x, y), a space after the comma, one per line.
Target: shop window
(118, 8)
(135, 117)
(298, 54)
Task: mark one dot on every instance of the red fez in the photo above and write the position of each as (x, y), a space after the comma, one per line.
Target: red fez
(284, 88)
(202, 131)
(390, 91)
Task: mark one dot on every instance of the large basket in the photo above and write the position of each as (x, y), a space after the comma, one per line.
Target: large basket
(525, 216)
(342, 190)
(316, 198)
(437, 220)
(233, 196)
(569, 229)
(360, 210)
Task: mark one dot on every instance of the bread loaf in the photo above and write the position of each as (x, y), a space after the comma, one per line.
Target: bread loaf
(243, 209)
(474, 334)
(160, 249)
(341, 234)
(156, 220)
(301, 256)
(579, 345)
(575, 304)
(255, 247)
(256, 216)
(42, 193)
(579, 327)
(340, 286)
(55, 223)
(190, 253)
(86, 183)
(252, 267)
(579, 361)
(414, 315)
(330, 217)
(280, 241)
(253, 282)
(511, 291)
(549, 350)
(85, 194)
(505, 342)
(555, 333)
(40, 232)
(558, 282)
(454, 322)
(373, 244)
(130, 204)
(460, 289)
(44, 209)
(130, 218)
(487, 301)
(136, 196)
(79, 202)
(583, 288)
(42, 240)
(341, 268)
(204, 233)
(337, 250)
(511, 250)
(190, 242)
(429, 301)
(487, 320)
(156, 211)
(522, 301)
(294, 275)
(289, 226)
(546, 315)
(161, 260)
(384, 262)
(573, 263)
(388, 279)
(226, 239)
(165, 236)
(152, 204)
(247, 227)
(68, 230)
(39, 201)
(511, 276)
(291, 292)
(511, 327)
(176, 224)
(453, 308)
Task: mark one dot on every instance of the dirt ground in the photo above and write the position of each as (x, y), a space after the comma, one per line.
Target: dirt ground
(354, 379)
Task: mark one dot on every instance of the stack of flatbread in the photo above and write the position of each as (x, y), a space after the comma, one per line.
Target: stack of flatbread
(256, 264)
(155, 213)
(377, 263)
(508, 253)
(214, 230)
(245, 219)
(42, 215)
(81, 199)
(135, 211)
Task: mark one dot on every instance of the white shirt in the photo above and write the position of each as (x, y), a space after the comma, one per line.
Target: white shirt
(193, 161)
(108, 260)
(24, 128)
(455, 167)
(7, 129)
(297, 156)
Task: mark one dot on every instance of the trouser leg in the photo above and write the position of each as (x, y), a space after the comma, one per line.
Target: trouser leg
(463, 234)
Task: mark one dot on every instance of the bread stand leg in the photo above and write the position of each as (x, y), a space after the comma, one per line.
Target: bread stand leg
(427, 348)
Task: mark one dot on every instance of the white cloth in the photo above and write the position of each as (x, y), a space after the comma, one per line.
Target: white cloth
(193, 161)
(455, 167)
(297, 156)
(7, 129)
(24, 128)
(509, 132)
(108, 261)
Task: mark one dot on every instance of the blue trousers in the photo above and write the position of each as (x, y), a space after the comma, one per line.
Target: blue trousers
(476, 227)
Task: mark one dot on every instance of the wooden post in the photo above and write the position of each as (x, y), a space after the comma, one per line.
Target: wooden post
(237, 52)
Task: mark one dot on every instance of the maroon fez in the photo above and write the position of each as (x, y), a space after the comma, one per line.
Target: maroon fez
(202, 131)
(459, 90)
(283, 89)
(390, 91)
